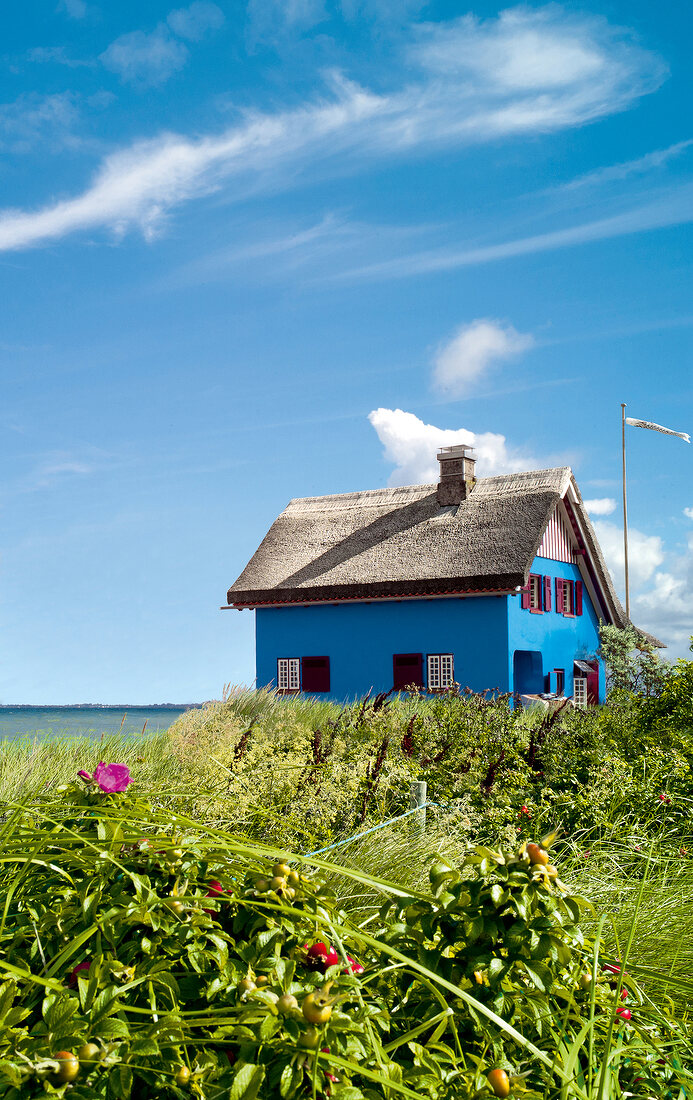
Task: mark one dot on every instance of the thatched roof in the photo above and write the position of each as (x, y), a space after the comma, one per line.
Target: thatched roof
(401, 542)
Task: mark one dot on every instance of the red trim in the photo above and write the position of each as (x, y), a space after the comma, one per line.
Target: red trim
(547, 593)
(596, 584)
(438, 592)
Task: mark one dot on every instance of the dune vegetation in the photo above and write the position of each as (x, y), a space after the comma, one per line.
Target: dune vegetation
(247, 908)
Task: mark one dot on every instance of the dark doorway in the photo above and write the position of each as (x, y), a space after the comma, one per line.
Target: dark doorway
(528, 672)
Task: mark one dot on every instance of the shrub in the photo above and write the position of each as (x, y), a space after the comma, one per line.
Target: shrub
(148, 956)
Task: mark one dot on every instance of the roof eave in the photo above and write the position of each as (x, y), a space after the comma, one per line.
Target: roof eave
(497, 585)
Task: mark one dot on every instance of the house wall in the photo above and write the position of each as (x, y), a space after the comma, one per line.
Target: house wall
(361, 638)
(560, 639)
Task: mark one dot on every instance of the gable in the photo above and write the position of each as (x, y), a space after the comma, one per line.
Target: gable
(559, 542)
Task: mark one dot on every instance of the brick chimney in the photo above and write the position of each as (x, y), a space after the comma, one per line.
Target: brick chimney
(456, 474)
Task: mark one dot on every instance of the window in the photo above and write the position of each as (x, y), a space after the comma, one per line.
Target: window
(288, 675)
(568, 596)
(580, 691)
(407, 669)
(536, 595)
(440, 670)
(316, 674)
(534, 592)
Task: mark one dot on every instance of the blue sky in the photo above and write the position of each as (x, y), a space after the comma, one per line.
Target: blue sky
(252, 251)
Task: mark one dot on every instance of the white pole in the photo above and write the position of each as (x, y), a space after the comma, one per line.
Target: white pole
(625, 508)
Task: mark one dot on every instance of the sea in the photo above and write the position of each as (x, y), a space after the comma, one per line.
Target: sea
(87, 720)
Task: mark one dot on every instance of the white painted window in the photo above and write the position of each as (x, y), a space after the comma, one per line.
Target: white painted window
(441, 671)
(567, 597)
(580, 691)
(535, 592)
(288, 674)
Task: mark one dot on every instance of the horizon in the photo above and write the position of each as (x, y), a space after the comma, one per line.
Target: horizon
(255, 250)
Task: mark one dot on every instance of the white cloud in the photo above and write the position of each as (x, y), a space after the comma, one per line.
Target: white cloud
(522, 49)
(688, 512)
(666, 608)
(600, 506)
(411, 445)
(45, 120)
(473, 350)
(645, 553)
(268, 18)
(445, 107)
(675, 207)
(196, 20)
(76, 9)
(144, 59)
(626, 168)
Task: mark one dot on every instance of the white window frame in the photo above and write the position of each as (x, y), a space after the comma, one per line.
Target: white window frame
(568, 597)
(288, 674)
(440, 671)
(580, 692)
(536, 593)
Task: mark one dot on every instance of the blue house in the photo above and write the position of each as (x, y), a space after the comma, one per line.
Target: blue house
(495, 583)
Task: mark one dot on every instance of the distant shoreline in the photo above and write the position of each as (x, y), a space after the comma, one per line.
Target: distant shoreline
(101, 706)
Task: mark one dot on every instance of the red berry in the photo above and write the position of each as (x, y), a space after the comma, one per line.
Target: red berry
(611, 968)
(354, 967)
(215, 889)
(320, 956)
(624, 1013)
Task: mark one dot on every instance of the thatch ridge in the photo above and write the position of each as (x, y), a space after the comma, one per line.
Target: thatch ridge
(398, 542)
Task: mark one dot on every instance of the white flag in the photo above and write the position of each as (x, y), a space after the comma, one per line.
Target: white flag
(657, 428)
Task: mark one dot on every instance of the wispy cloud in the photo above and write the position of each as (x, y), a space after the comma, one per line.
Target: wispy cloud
(145, 60)
(673, 208)
(195, 21)
(268, 20)
(613, 173)
(76, 9)
(473, 350)
(57, 55)
(46, 120)
(482, 98)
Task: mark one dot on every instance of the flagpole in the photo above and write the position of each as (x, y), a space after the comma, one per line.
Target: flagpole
(625, 509)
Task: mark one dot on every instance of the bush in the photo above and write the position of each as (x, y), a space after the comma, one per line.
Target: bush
(148, 956)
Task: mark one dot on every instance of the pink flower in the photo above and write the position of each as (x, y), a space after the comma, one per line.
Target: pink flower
(85, 776)
(112, 778)
(72, 976)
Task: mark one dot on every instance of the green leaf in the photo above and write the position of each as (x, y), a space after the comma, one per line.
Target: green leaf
(540, 975)
(498, 894)
(120, 1082)
(286, 1081)
(247, 1081)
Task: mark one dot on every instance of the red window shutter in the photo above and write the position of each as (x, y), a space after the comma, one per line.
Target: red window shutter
(315, 674)
(525, 595)
(578, 597)
(407, 668)
(559, 595)
(547, 593)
